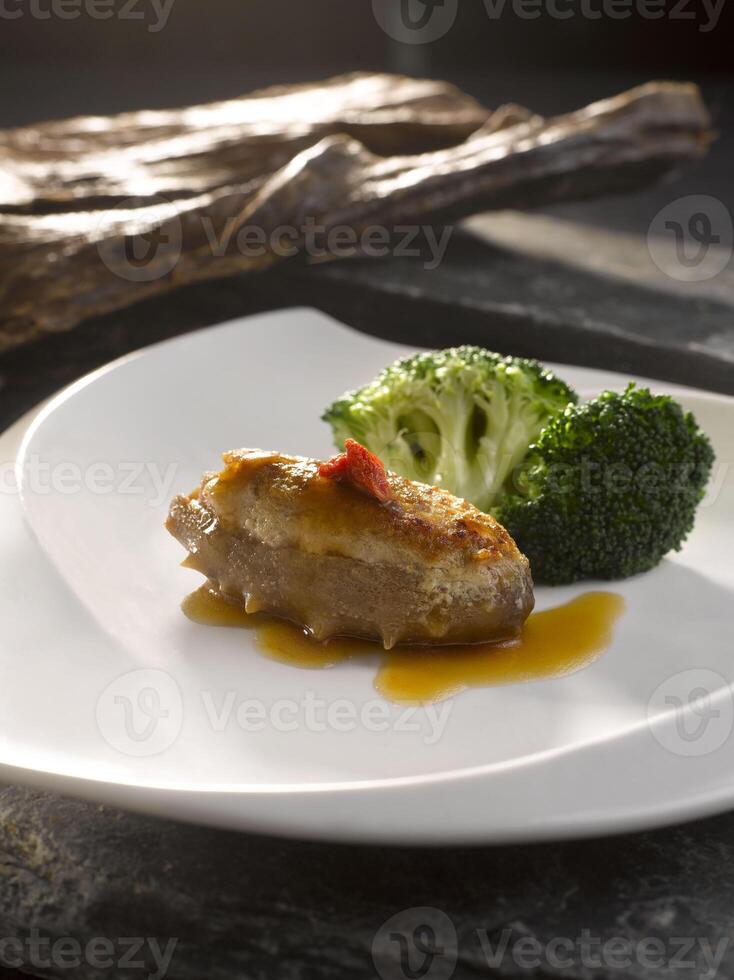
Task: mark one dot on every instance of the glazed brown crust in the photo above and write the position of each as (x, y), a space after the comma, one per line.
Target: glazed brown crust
(430, 524)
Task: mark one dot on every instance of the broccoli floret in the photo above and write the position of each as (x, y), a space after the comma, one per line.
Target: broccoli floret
(461, 418)
(609, 488)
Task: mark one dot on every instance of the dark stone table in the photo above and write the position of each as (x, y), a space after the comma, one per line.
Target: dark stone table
(227, 906)
(555, 285)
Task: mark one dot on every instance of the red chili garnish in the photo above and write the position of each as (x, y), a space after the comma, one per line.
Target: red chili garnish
(361, 468)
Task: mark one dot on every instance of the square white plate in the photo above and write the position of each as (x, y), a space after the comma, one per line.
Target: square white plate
(108, 691)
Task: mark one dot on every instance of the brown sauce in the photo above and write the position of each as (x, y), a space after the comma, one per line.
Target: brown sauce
(553, 642)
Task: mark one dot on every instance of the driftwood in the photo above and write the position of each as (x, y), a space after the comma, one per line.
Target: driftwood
(102, 212)
(182, 152)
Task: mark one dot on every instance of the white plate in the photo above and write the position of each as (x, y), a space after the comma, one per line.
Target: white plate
(108, 691)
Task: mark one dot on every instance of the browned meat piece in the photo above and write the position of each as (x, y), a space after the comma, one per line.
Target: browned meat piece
(420, 567)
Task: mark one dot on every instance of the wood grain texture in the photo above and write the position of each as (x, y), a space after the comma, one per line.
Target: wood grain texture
(187, 151)
(323, 156)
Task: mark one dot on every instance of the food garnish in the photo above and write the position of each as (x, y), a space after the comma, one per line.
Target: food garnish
(361, 468)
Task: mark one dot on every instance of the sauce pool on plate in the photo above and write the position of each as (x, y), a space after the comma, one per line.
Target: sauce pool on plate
(553, 642)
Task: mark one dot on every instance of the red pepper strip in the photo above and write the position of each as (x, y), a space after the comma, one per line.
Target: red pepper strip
(361, 468)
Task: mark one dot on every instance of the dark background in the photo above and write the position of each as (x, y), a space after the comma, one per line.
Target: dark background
(212, 49)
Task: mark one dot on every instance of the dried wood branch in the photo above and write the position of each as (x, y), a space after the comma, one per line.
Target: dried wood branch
(60, 267)
(172, 152)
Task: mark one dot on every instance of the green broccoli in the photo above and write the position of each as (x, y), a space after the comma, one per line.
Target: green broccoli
(461, 418)
(609, 488)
